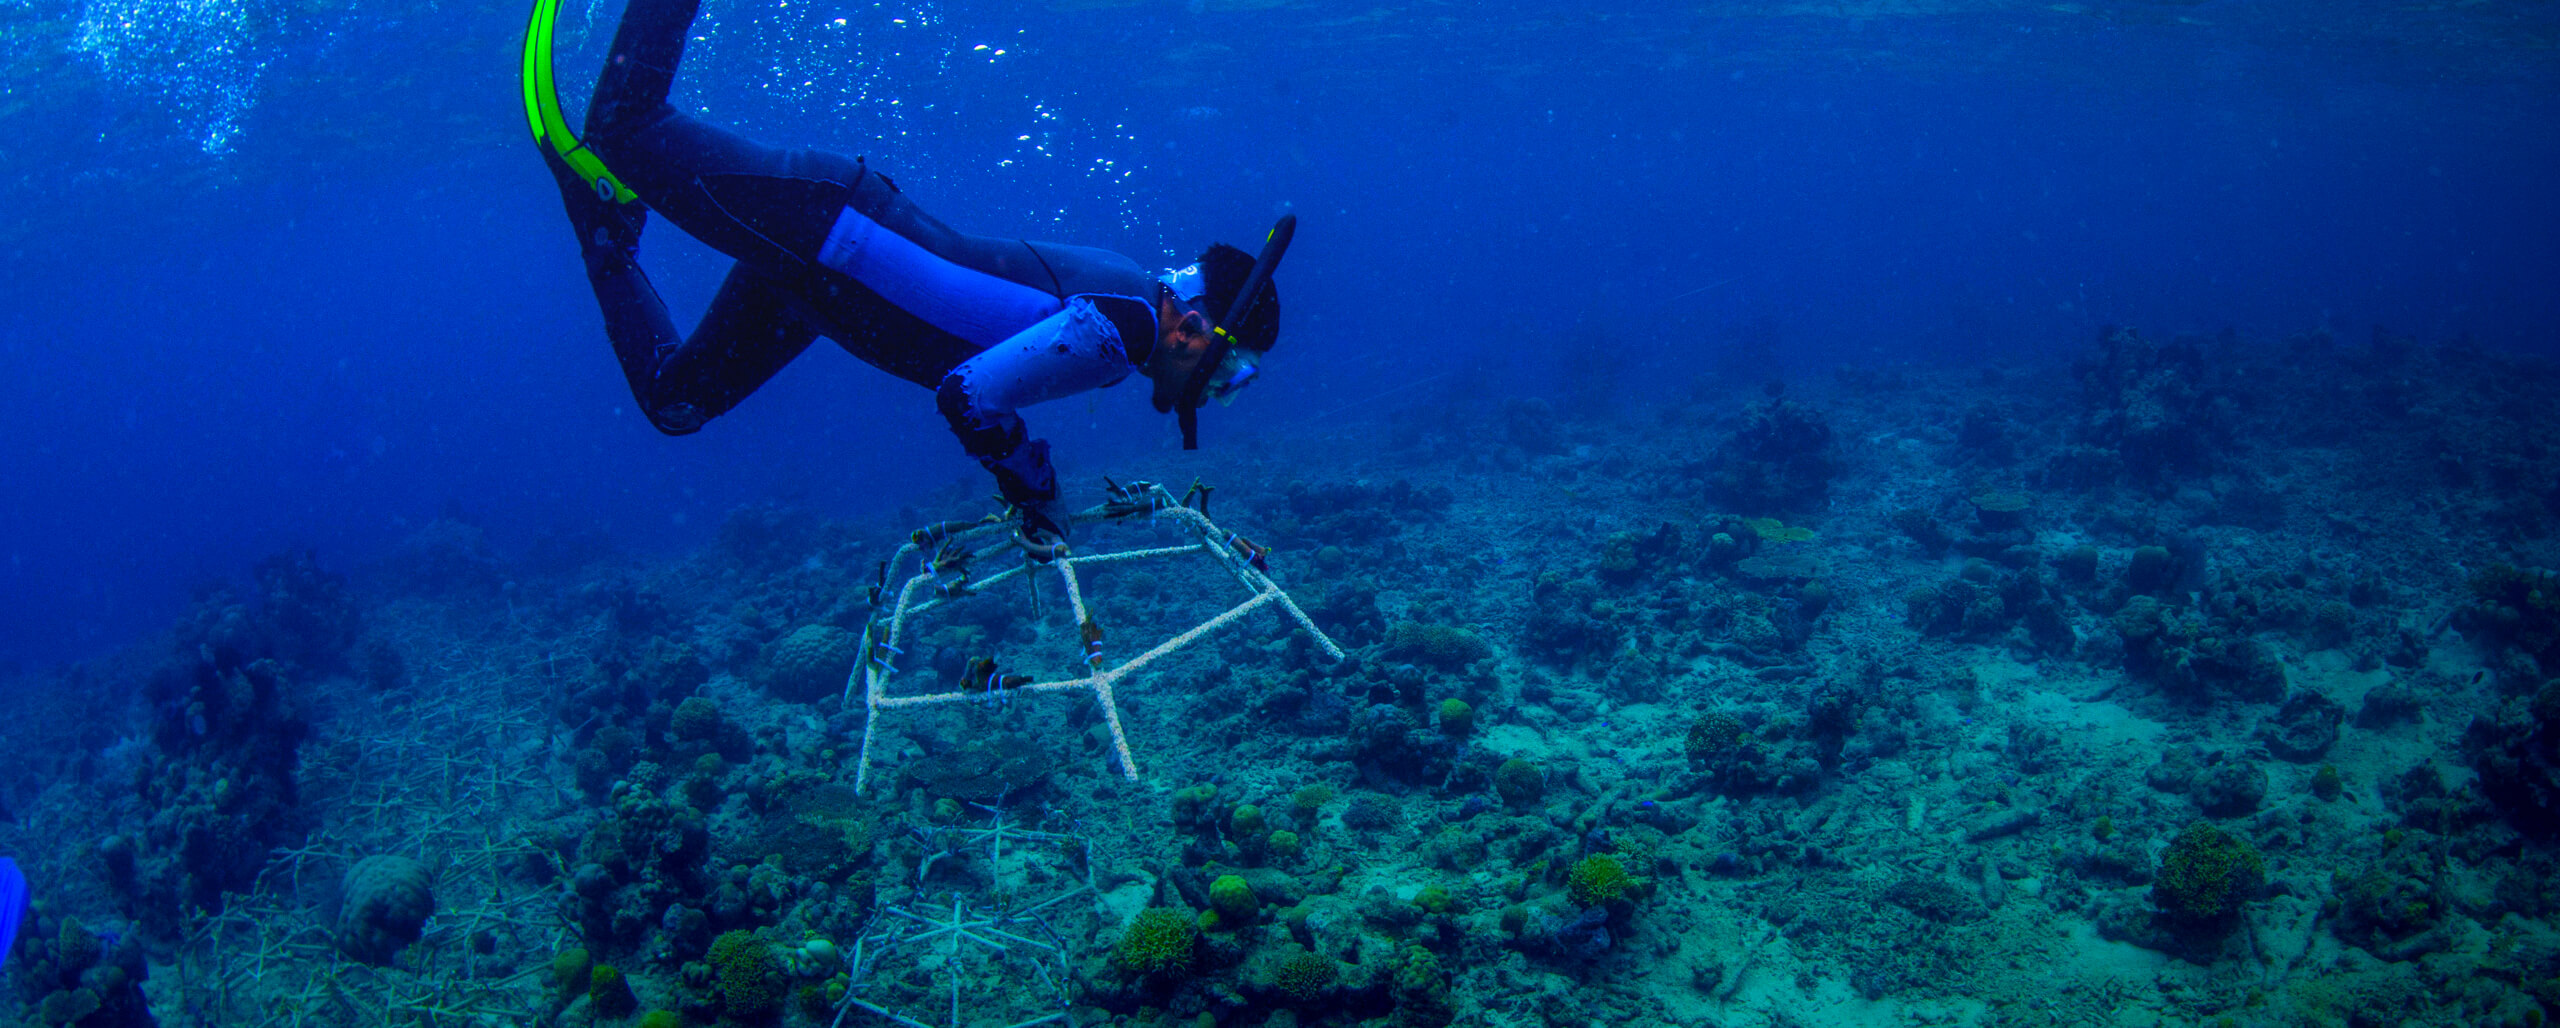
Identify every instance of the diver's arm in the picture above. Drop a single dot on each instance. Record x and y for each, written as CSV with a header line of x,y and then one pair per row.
x,y
1076,349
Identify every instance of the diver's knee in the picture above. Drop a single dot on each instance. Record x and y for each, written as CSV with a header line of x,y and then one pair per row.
x,y
952,399
678,418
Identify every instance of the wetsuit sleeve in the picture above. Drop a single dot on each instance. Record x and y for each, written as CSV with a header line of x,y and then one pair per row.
x,y
1079,348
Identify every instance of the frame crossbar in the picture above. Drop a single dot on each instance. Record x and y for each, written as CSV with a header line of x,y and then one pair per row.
x,y
946,554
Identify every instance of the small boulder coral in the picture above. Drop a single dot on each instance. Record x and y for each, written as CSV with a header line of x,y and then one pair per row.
x,y
1234,899
697,719
1520,783
809,664
385,902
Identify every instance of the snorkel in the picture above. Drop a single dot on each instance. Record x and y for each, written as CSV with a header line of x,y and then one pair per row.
x,y
1225,368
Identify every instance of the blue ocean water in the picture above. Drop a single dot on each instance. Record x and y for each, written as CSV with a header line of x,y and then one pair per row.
x,y
1952,512
288,275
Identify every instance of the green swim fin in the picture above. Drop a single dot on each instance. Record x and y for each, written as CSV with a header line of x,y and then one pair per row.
x,y
542,109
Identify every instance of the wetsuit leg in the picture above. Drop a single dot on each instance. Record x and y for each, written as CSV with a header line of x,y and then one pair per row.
x,y
749,333
768,208
762,205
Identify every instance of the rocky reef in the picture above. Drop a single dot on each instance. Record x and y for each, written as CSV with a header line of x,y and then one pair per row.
x,y
2192,679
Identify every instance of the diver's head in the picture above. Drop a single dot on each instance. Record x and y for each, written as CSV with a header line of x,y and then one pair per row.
x,y
1189,304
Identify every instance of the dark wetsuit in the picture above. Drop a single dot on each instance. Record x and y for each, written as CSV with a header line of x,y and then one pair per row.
x,y
827,246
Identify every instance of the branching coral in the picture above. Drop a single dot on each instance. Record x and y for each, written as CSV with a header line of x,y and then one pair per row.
x,y
2205,875
1158,941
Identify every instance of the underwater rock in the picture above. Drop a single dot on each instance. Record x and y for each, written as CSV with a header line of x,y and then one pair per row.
x,y
384,903
1937,899
1531,424
986,770
2189,652
1442,647
760,538
1358,516
2001,510
1582,937
1923,530
2516,750
648,855
2229,787
1779,459
1390,746
2221,784
446,557
2151,405
218,783
2304,728
1572,621
2389,900
2517,609
1984,602
2175,772
2388,704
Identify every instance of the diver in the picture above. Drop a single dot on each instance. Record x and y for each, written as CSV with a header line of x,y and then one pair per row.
x,y
828,246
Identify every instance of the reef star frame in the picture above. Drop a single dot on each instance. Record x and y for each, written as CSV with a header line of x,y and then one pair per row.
x,y
945,554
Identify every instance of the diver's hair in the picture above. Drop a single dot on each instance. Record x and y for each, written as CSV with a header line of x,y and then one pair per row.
x,y
1225,268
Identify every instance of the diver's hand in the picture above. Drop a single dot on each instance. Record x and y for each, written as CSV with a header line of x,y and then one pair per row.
x,y
1044,530
599,221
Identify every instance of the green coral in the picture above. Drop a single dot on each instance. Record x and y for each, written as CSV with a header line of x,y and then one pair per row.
x,y
607,994
1159,939
1618,561
74,947
1457,719
1245,823
1193,803
1519,782
1713,733
67,1006
1421,990
2205,875
750,984
1597,880
569,970
1310,798
662,1019
1284,845
1234,899
1304,976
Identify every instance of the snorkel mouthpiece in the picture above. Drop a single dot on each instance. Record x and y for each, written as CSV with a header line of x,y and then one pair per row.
x,y
1219,360
1245,370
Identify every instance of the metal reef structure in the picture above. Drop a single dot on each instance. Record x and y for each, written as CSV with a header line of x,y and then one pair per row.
x,y
946,556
